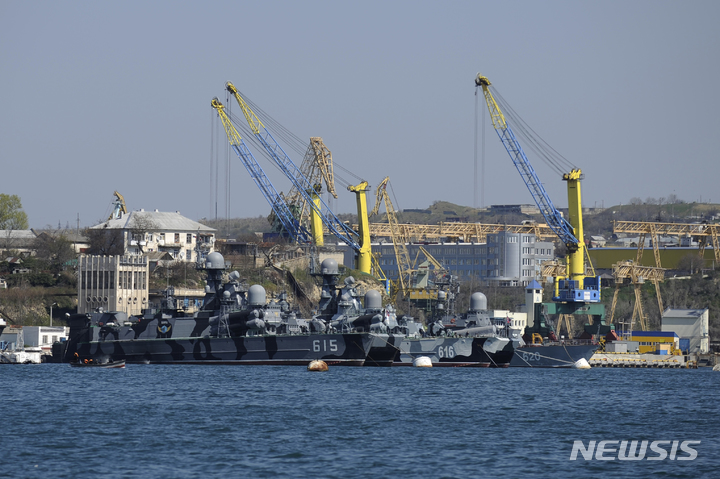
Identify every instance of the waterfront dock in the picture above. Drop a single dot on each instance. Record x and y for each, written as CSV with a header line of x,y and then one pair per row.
x,y
636,360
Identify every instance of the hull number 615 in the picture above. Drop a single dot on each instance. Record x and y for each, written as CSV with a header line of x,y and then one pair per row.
x,y
320,345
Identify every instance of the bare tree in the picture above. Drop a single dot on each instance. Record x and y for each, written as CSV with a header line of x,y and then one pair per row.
x,y
140,226
54,249
105,241
691,262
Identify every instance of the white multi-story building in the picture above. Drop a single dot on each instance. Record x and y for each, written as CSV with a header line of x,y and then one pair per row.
x,y
146,232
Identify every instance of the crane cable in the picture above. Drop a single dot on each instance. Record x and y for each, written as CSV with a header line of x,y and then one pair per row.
x,y
546,153
481,188
289,139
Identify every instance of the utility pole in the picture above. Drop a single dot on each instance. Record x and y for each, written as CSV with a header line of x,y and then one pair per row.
x,y
51,306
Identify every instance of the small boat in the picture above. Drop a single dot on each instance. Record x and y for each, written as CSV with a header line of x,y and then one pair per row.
x,y
92,364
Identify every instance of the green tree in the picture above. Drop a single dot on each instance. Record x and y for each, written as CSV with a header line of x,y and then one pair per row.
x,y
12,216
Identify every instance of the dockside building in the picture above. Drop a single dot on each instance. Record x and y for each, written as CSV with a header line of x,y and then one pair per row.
x,y
506,259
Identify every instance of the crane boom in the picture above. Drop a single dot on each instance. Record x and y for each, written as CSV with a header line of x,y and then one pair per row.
x,y
278,205
316,167
293,173
554,219
120,209
579,288
402,257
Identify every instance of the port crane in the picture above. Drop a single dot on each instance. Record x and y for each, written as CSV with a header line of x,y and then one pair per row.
x,y
637,275
575,293
279,207
577,287
306,189
317,167
119,210
402,257
467,231
705,233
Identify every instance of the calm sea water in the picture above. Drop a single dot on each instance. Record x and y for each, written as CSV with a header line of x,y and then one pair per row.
x,y
268,421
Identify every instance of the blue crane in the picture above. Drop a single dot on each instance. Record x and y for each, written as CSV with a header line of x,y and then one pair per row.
x,y
578,288
334,225
292,226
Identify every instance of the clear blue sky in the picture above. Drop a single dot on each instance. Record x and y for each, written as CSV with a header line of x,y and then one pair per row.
x,y
104,96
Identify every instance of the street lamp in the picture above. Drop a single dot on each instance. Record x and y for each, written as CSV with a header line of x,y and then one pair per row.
x,y
54,304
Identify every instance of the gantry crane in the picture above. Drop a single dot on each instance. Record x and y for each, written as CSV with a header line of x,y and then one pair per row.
x,y
576,291
637,274
119,208
291,225
467,231
334,225
643,228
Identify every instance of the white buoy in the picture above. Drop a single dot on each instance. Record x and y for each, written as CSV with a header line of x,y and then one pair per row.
x,y
422,362
581,364
317,365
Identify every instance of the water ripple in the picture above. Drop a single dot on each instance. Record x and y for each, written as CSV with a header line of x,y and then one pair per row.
x,y
222,421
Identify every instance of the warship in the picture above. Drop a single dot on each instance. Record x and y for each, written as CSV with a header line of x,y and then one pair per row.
x,y
237,325
540,347
474,339
553,353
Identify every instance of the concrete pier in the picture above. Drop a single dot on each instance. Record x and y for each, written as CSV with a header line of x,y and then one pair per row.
x,y
636,360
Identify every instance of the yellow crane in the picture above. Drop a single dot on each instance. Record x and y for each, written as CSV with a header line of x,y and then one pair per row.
x,y
637,275
643,228
439,267
321,220
578,288
402,257
365,257
467,231
317,167
119,208
576,293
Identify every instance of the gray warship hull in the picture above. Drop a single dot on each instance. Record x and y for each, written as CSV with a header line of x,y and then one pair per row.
x,y
556,355
183,341
237,325
456,352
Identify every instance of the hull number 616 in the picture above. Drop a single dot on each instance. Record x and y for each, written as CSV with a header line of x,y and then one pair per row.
x,y
446,352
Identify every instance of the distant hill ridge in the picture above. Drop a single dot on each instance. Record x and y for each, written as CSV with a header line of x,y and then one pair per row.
x,y
596,221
